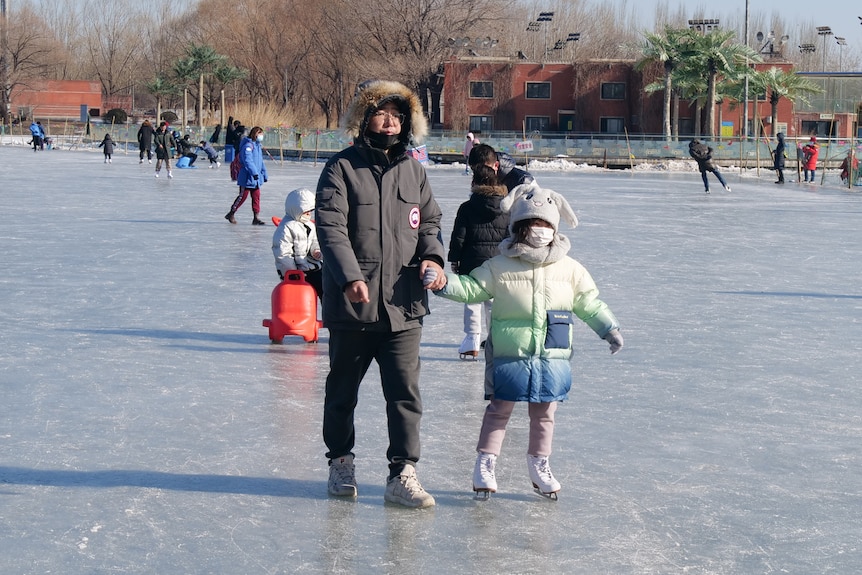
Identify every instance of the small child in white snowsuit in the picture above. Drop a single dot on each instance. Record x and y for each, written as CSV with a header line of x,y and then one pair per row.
x,y
294,243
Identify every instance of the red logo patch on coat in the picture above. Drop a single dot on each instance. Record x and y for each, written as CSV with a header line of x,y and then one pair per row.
x,y
414,217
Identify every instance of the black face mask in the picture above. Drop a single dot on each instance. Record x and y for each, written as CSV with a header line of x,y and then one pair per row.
x,y
381,141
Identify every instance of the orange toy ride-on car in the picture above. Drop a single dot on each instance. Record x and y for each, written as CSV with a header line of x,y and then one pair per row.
x,y
294,309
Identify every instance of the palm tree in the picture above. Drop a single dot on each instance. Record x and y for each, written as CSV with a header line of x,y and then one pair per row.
x,y
667,50
779,84
718,57
200,59
161,88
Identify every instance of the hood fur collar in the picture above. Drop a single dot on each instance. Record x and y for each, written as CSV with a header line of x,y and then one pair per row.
x,y
485,190
370,95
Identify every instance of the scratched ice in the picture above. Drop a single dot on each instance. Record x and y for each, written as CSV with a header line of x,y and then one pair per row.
x,y
148,426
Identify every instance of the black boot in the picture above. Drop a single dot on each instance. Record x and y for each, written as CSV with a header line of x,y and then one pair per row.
x,y
229,217
257,221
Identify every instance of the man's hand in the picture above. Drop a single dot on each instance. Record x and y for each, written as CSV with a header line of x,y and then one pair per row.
x,y
357,292
427,271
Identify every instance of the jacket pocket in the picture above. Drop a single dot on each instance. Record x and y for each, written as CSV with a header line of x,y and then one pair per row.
x,y
559,331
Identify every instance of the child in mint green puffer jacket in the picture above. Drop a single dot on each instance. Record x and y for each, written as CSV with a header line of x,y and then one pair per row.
x,y
538,290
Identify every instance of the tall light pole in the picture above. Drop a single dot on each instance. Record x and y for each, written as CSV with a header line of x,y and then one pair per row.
x,y
806,49
4,66
745,93
824,31
841,41
537,24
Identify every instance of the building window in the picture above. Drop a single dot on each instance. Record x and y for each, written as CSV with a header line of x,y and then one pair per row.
x,y
479,124
537,123
481,89
613,91
538,91
612,125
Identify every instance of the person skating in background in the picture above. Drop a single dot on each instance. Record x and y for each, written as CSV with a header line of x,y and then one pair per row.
x,y
480,225
234,134
164,142
510,176
849,167
294,243
379,230
508,172
538,290
186,149
210,152
702,154
145,141
252,174
810,152
778,157
37,133
468,147
107,145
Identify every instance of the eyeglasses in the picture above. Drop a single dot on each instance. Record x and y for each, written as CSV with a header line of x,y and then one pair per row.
x,y
383,115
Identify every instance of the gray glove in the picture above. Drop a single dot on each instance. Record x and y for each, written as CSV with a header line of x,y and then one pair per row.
x,y
615,338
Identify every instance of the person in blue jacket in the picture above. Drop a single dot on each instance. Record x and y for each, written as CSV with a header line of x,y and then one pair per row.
x,y
252,174
38,135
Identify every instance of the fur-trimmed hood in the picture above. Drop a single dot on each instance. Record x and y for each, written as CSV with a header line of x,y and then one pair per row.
x,y
490,191
372,94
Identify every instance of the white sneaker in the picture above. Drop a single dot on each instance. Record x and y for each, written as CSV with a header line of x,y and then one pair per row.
x,y
150,161
218,165
484,478
157,174
110,161
541,476
141,161
406,490
106,160
727,188
470,346
342,476
170,175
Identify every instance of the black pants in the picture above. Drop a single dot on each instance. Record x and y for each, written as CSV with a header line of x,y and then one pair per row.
x,y
397,355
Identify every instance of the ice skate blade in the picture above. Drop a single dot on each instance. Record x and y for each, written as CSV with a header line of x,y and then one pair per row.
x,y
552,495
482,494
469,355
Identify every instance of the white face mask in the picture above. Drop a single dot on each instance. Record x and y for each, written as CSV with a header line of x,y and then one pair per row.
x,y
260,137
305,217
540,236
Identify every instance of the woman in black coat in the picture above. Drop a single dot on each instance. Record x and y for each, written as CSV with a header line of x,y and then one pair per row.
x,y
778,158
145,141
480,225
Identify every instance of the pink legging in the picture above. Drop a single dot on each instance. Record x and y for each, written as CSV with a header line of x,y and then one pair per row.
x,y
497,416
243,194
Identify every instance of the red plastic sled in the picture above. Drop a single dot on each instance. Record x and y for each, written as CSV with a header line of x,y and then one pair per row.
x,y
294,309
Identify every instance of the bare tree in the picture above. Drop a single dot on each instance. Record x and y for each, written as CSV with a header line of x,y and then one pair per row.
x,y
111,44
31,53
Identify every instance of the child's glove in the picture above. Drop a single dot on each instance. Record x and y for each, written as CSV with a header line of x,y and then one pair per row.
x,y
430,276
615,338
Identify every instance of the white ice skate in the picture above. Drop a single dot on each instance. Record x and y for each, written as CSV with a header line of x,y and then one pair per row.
x,y
484,479
470,347
543,480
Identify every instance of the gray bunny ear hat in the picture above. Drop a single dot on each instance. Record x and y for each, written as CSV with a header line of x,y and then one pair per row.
x,y
529,201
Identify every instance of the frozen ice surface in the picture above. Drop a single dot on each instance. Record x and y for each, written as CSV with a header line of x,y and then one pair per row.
x,y
148,425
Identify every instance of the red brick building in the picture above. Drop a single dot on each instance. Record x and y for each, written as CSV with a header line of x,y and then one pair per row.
x,y
55,99
597,96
